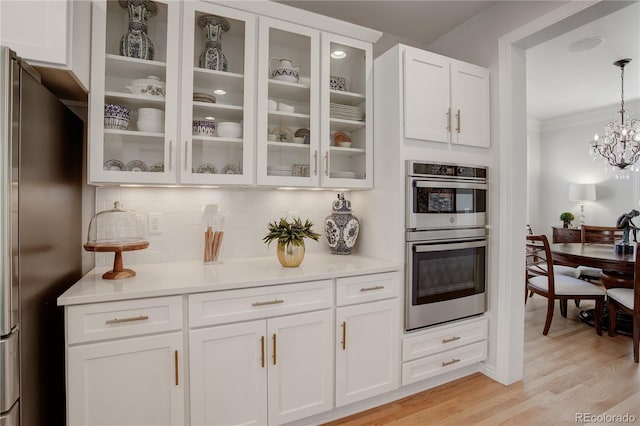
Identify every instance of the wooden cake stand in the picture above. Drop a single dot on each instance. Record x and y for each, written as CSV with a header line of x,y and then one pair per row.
x,y
118,272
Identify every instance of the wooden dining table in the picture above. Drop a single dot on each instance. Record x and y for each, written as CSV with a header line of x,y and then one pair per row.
x,y
602,256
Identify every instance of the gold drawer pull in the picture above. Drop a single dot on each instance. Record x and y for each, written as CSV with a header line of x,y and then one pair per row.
x,y
344,335
271,302
175,358
453,361
120,320
376,287
453,339
262,351
274,349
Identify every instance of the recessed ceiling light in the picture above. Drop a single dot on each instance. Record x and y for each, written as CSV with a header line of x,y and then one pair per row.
x,y
338,54
219,92
586,44
209,118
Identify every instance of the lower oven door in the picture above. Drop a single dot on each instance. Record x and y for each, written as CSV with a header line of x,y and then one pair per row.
x,y
445,281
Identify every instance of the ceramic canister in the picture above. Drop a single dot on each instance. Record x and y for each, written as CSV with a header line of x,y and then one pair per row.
x,y
341,227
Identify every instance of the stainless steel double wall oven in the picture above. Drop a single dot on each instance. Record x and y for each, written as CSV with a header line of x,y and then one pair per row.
x,y
446,243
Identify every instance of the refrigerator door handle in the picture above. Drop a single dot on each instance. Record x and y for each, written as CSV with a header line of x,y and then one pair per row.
x,y
9,371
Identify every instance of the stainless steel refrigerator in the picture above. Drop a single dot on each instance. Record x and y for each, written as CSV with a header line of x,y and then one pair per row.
x,y
40,236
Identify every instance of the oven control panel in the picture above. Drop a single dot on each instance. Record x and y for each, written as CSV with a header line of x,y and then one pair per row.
x,y
451,171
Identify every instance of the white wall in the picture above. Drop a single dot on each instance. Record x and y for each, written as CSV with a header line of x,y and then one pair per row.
x,y
565,159
534,199
249,212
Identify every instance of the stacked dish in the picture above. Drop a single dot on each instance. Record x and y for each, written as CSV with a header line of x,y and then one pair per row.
x,y
345,112
203,97
116,116
342,175
273,170
151,86
203,128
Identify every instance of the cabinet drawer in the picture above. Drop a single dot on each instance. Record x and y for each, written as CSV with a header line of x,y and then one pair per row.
x,y
434,365
366,288
443,338
261,302
98,321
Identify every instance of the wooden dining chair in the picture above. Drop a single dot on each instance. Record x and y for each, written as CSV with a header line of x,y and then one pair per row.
x,y
627,300
591,234
542,280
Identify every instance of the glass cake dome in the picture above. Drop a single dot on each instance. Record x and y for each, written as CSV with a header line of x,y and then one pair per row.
x,y
116,230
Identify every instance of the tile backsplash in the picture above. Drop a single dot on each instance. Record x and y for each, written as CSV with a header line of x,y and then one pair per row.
x,y
249,212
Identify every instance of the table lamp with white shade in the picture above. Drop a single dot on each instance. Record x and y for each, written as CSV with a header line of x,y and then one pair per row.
x,y
582,192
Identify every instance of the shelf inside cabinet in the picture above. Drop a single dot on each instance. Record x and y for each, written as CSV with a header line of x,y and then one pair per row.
x,y
346,98
287,145
133,133
290,91
133,68
218,140
289,119
135,101
346,152
338,124
221,112
213,80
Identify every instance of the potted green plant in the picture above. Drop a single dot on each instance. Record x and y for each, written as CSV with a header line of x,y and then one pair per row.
x,y
566,218
290,236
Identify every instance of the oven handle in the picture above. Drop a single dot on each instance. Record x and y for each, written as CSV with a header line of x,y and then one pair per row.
x,y
422,248
447,185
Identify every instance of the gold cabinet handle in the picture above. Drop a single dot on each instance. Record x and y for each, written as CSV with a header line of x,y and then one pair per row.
x,y
453,339
176,363
121,320
453,361
170,153
274,349
344,335
315,162
449,120
186,152
271,302
326,163
262,351
458,118
375,287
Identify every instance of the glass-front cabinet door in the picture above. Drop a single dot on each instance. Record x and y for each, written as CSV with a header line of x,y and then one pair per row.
x,y
218,86
288,122
134,95
347,111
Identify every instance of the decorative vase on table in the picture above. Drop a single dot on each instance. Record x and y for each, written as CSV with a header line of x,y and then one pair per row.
x,y
136,43
212,57
341,228
290,255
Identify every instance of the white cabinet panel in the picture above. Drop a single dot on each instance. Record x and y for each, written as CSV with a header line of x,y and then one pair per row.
x,y
366,288
367,351
470,104
228,372
127,382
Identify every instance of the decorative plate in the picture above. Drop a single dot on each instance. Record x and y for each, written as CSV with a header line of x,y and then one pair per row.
x,y
157,167
136,166
231,169
207,168
340,137
283,134
305,133
113,165
203,97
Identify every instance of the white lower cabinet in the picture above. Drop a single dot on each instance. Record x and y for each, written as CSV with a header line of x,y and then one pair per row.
x,y
367,359
442,349
270,370
136,381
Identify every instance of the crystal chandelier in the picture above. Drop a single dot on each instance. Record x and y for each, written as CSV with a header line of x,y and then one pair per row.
x,y
620,145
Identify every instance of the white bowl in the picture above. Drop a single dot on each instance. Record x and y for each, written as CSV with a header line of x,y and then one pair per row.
x,y
148,86
272,137
229,129
151,114
286,108
344,144
150,125
298,139
273,105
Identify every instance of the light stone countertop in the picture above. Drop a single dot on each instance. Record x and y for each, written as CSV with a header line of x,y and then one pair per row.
x,y
166,279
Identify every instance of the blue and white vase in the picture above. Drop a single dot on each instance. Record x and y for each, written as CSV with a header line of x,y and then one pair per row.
x,y
341,228
212,57
136,43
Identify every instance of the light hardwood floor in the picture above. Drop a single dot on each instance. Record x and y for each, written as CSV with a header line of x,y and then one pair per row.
x,y
571,370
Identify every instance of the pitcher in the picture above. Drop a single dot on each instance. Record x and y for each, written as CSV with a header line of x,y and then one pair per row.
x,y
285,70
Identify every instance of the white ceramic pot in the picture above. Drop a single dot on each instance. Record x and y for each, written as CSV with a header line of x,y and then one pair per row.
x,y
286,108
150,126
229,129
150,120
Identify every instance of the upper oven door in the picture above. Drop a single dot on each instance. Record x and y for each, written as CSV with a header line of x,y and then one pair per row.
x,y
437,204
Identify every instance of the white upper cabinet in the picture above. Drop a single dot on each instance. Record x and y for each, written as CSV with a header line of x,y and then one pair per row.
x,y
49,34
445,100
288,105
213,93
136,151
